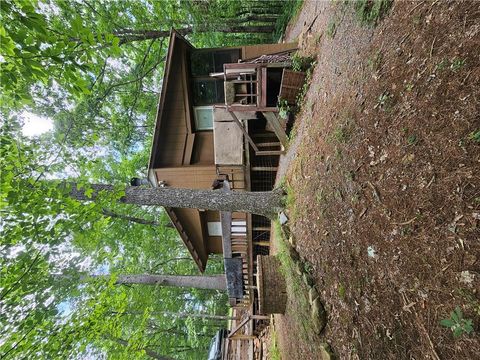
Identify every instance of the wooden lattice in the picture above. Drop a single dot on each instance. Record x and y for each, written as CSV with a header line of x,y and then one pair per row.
x,y
292,82
272,290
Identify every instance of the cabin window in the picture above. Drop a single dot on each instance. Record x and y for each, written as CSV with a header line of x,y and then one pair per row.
x,y
202,62
214,228
203,117
208,91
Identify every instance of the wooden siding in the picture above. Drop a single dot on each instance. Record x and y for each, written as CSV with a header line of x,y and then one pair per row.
x,y
228,137
184,158
214,243
253,51
174,126
188,177
242,347
203,148
236,176
192,225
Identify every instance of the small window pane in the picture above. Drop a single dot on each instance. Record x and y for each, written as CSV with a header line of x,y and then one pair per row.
x,y
225,57
201,63
204,118
214,228
208,92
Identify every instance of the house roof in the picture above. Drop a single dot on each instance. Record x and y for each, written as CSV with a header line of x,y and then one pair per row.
x,y
174,46
175,39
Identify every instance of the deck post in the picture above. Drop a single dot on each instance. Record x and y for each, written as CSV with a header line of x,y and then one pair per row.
x,y
277,128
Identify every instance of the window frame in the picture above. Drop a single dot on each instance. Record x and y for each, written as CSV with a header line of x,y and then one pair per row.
x,y
202,107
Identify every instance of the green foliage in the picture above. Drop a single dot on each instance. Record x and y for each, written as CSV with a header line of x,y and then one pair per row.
x,y
283,108
475,136
302,63
412,139
457,64
37,49
342,133
274,350
370,12
384,101
290,10
75,63
295,285
457,323
331,29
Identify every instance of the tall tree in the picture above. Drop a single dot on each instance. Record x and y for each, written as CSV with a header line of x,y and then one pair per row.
x,y
148,351
135,219
213,282
262,203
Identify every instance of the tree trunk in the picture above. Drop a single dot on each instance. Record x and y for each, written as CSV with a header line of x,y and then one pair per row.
x,y
215,282
180,315
261,203
148,351
135,219
129,35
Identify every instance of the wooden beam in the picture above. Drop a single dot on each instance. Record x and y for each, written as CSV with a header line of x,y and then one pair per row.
x,y
277,128
263,83
187,154
261,228
245,133
185,238
243,337
264,168
268,152
226,221
268,144
239,326
262,243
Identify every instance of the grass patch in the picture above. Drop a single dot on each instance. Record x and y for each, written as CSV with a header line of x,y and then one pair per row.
x,y
375,61
290,10
331,29
340,134
384,101
341,291
343,131
274,350
457,64
475,136
370,12
302,63
295,287
412,139
320,197
290,198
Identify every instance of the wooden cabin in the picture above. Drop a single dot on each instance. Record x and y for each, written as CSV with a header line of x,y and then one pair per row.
x,y
217,125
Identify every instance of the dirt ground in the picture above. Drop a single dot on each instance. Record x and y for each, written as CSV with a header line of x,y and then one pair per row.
x,y
385,174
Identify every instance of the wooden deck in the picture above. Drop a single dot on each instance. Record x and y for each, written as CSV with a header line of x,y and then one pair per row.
x,y
240,345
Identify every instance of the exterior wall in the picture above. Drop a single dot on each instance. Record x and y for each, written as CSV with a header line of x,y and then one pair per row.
x,y
184,158
253,51
193,227
174,123
202,153
193,221
188,177
214,243
236,176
